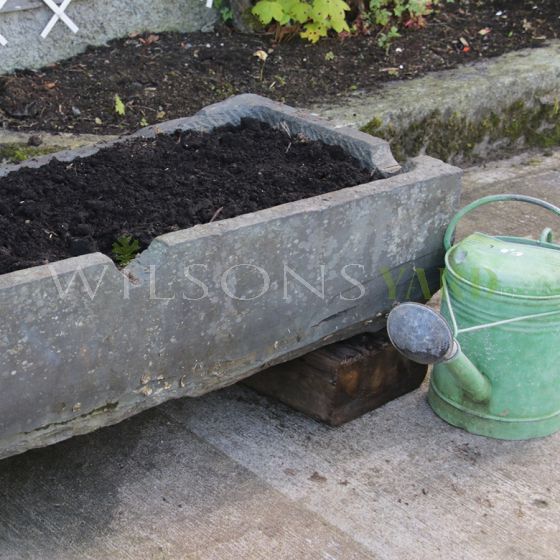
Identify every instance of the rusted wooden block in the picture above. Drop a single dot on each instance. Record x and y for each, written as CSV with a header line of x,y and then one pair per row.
x,y
342,381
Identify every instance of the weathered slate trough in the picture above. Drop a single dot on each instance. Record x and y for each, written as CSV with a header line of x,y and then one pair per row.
x,y
84,345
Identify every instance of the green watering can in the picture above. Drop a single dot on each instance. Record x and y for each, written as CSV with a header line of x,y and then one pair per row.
x,y
496,345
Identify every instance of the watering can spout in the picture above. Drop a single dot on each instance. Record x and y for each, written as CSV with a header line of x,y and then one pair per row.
x,y
467,375
423,335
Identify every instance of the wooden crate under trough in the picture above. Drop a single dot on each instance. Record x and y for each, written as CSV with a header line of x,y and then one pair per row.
x,y
342,381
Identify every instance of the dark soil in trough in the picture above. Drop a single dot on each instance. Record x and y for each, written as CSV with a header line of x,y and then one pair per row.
x,y
147,187
173,75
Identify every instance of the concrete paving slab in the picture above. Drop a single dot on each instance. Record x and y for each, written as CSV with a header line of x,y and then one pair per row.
x,y
233,475
150,489
402,482
534,174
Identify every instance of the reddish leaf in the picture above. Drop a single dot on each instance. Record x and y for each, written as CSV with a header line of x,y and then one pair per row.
x,y
149,40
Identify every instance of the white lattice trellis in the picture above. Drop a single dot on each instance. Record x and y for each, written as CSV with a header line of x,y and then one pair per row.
x,y
59,14
59,9
3,40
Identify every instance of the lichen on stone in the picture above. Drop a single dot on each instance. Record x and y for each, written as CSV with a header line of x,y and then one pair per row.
x,y
455,137
16,153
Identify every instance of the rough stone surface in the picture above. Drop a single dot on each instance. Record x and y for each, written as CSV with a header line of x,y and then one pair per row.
x,y
17,145
61,140
231,475
83,345
98,22
472,113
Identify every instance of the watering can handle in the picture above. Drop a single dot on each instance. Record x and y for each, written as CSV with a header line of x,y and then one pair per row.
x,y
450,232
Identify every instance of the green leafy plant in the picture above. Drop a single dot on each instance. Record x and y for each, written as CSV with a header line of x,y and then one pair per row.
x,y
225,11
315,18
385,37
125,249
391,14
120,108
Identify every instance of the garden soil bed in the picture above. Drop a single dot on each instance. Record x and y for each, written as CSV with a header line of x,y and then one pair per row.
x,y
148,187
160,77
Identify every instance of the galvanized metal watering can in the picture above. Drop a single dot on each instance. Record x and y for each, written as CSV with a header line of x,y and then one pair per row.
x,y
496,345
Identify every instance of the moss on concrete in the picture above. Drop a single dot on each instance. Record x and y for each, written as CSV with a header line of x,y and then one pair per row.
x,y
455,137
16,153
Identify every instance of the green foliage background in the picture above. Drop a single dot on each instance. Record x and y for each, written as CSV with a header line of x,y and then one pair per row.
x,y
315,18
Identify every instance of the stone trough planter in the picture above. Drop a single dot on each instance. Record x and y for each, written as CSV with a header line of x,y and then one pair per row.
x,y
84,345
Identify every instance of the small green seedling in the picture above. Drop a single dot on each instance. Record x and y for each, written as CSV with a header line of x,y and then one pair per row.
x,y
120,108
125,249
384,39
